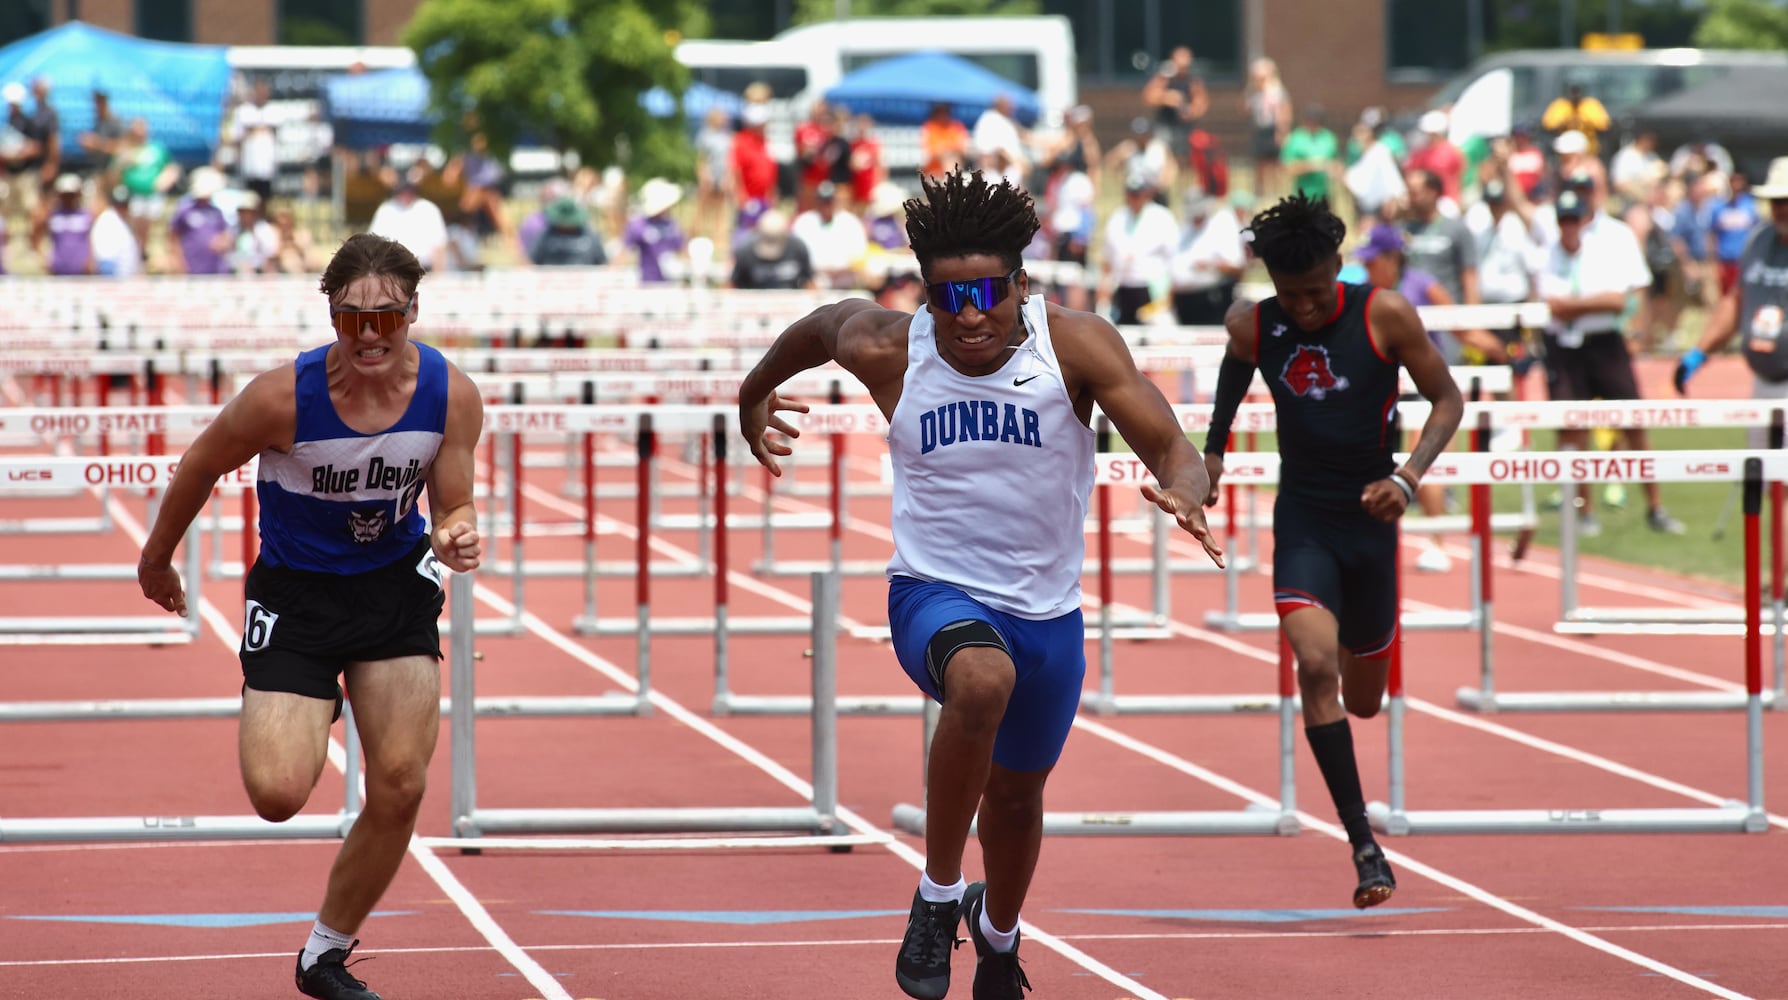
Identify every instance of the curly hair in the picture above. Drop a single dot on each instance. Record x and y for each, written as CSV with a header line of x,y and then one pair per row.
x,y
960,214
1297,234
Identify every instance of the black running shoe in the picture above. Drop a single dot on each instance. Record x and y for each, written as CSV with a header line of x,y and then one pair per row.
x,y
999,975
329,978
1376,881
923,968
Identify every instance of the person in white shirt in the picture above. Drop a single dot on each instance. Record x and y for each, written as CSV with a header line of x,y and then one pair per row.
x,y
256,240
1587,291
116,252
257,145
996,132
836,240
414,221
1207,263
1140,239
1637,167
986,389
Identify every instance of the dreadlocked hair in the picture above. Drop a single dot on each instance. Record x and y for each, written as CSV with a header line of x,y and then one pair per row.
x,y
961,214
1297,234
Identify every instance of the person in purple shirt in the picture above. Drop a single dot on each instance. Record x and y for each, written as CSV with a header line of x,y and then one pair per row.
x,y
69,226
653,234
882,220
199,232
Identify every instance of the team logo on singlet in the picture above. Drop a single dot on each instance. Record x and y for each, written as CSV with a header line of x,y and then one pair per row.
x,y
1307,372
367,525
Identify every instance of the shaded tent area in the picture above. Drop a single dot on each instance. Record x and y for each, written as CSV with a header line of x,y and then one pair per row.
x,y
178,89
379,108
1745,109
901,90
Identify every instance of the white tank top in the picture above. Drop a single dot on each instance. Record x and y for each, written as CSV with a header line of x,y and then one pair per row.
x,y
991,475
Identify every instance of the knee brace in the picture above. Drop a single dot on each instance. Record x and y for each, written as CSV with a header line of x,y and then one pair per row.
x,y
953,638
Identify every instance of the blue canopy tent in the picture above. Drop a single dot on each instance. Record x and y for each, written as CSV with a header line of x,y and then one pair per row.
x,y
178,89
378,108
902,89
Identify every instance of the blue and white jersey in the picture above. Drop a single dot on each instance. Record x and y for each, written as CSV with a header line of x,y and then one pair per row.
x,y
341,501
991,475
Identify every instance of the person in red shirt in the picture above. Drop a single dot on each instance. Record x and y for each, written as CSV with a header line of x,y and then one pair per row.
x,y
1438,155
867,168
754,170
1527,161
812,137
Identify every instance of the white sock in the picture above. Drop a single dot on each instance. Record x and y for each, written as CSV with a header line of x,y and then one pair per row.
x,y
999,940
322,939
931,892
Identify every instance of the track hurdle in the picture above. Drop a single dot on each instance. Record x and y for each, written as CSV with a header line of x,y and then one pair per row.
x,y
1249,820
1575,619
1728,620
61,474
1734,817
472,825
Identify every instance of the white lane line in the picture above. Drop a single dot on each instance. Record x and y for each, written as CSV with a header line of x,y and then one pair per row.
x,y
468,904
1354,933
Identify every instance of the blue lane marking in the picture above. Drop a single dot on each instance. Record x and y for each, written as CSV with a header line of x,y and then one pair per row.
x,y
727,916
190,919
1260,916
1761,912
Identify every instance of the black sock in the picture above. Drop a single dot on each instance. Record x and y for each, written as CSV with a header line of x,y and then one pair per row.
x,y
1332,743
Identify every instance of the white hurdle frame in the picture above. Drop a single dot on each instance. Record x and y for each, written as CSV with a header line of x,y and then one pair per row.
x,y
1396,819
819,820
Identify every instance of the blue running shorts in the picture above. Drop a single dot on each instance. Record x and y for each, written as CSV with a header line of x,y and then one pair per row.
x,y
1050,657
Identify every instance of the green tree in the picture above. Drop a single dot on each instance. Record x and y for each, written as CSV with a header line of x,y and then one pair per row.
x,y
1744,24
567,74
807,11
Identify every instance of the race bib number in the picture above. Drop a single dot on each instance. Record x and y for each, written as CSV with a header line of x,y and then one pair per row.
x,y
257,627
1766,329
430,569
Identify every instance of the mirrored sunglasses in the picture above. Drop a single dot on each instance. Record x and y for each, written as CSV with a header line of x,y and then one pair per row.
x,y
983,293
349,322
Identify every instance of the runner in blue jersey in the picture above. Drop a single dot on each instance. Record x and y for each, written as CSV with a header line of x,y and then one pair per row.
x,y
1330,354
348,582
989,393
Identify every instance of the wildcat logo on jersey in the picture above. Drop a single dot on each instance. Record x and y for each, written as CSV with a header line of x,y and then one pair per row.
x,y
1307,372
367,525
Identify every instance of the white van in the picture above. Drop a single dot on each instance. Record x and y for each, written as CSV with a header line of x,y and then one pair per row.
x,y
802,63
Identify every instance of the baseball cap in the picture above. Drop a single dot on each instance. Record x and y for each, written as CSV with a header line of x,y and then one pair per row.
x,y
1384,238
1495,191
13,93
68,184
1570,205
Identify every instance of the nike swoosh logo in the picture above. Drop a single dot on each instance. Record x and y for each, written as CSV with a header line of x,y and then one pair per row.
x,y
1021,381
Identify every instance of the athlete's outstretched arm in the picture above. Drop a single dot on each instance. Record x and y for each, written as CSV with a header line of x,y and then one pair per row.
x,y
1100,360
453,475
1234,376
852,332
1398,331
263,415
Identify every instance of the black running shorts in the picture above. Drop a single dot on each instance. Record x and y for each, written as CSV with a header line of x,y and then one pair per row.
x,y
1343,560
301,628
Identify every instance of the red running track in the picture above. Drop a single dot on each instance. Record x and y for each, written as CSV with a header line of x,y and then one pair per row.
x,y
1580,916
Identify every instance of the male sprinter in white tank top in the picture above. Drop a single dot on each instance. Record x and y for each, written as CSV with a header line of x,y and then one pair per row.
x,y
348,581
989,395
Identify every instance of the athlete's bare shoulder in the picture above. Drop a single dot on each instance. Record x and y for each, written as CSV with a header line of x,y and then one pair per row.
x,y
869,335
